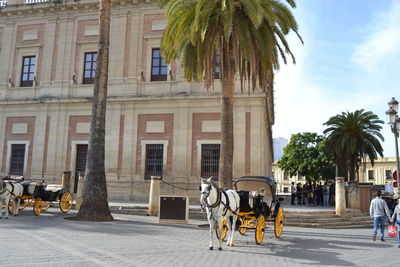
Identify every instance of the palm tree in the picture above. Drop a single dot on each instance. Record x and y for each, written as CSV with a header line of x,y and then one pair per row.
x,y
249,36
94,205
353,136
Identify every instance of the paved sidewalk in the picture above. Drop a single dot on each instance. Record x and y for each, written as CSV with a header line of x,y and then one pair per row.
x,y
132,240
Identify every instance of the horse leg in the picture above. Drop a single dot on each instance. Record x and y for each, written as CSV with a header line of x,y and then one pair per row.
x,y
219,236
1,208
17,204
228,234
212,231
6,207
233,227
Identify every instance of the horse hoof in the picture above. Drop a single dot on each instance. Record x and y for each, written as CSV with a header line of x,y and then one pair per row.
x,y
219,248
211,248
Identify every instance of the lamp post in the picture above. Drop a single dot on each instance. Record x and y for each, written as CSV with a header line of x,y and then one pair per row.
x,y
394,122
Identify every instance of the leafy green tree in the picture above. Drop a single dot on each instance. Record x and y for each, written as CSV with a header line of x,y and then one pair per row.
x,y
305,155
249,36
352,137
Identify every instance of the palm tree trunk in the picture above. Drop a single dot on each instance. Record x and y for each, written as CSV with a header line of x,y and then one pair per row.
x,y
95,206
228,89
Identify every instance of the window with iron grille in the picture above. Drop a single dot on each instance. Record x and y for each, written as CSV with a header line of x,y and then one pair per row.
x,y
154,160
158,67
388,174
210,160
217,70
371,175
28,71
17,159
89,68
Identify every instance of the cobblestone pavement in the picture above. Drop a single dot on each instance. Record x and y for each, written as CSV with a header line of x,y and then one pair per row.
x,y
49,240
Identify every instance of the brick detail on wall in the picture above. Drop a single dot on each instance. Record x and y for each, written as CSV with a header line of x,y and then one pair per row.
x,y
73,135
168,120
197,134
29,136
247,157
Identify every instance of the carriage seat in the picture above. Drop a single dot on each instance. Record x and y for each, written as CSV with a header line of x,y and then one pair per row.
x,y
244,203
53,187
29,187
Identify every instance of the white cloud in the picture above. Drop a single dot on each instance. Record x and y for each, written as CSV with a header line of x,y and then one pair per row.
x,y
383,42
307,94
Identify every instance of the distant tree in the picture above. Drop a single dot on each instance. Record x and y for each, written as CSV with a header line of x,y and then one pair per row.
x,y
305,155
351,138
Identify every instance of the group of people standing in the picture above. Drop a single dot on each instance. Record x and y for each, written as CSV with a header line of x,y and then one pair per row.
x,y
313,194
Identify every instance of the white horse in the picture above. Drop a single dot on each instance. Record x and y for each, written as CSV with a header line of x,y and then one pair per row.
x,y
218,204
10,191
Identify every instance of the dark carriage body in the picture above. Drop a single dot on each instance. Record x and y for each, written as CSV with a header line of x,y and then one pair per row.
x,y
258,194
258,204
40,195
48,192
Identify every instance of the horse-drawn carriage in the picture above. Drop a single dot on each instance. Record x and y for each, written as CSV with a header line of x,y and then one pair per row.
x,y
40,196
255,204
258,205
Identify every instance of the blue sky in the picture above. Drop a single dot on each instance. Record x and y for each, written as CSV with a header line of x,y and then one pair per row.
x,y
350,60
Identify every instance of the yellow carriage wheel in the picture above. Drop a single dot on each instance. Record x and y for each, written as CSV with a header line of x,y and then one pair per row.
x,y
46,205
224,229
278,226
27,202
260,229
242,228
66,202
37,208
11,207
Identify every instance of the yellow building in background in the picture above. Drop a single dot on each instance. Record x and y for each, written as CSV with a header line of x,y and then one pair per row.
x,y
379,174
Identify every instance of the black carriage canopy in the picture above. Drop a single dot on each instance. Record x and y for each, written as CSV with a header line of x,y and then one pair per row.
x,y
258,184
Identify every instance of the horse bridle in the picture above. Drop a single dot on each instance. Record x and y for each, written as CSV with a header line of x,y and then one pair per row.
x,y
207,194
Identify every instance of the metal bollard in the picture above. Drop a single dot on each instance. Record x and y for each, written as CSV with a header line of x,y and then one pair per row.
x,y
66,180
154,196
79,193
340,198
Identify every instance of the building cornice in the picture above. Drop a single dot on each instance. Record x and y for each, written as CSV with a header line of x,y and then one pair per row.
x,y
17,8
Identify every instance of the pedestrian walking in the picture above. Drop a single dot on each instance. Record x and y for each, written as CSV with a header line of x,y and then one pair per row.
x,y
378,210
293,191
396,218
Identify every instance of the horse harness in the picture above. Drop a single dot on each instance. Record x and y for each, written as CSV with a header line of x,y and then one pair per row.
x,y
11,192
218,202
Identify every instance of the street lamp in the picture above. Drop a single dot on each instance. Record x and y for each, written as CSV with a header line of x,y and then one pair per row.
x,y
394,122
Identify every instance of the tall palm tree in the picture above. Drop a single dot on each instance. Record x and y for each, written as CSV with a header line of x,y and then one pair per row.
x,y
249,36
94,205
353,136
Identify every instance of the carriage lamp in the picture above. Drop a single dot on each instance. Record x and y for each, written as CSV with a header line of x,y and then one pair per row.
x,y
394,122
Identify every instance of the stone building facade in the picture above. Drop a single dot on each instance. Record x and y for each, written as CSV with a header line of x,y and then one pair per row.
x,y
157,123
